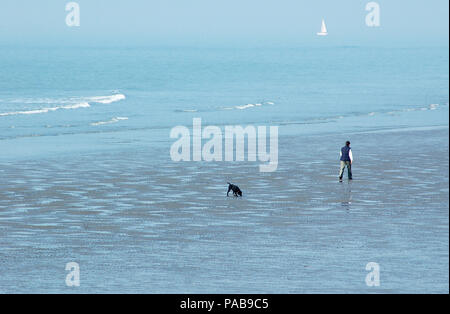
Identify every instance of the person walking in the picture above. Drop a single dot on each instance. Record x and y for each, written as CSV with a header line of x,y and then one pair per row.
x,y
346,161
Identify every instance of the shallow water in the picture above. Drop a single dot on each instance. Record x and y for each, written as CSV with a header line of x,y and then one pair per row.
x,y
171,228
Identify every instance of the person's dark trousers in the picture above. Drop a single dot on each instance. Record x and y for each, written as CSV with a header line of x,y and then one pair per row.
x,y
347,164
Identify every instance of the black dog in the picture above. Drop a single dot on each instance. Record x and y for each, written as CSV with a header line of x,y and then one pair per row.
x,y
236,190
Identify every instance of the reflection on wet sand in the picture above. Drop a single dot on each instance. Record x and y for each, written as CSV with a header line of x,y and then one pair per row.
x,y
141,223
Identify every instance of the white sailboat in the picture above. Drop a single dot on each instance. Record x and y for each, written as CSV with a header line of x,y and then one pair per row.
x,y
323,29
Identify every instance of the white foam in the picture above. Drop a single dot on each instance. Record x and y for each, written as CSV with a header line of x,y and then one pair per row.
x,y
76,106
107,99
68,103
45,110
113,120
430,107
434,106
245,106
242,107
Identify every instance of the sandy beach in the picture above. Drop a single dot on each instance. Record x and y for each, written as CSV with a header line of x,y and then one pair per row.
x,y
170,227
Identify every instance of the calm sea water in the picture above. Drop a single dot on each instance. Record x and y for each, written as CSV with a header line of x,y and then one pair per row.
x,y
86,176
79,96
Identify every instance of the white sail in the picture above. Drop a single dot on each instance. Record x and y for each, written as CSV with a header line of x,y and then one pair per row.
x,y
323,29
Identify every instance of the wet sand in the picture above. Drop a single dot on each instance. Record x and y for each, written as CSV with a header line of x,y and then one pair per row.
x,y
136,222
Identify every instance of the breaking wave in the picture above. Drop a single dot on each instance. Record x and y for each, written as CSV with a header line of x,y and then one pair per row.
x,y
45,110
69,103
247,106
113,120
107,99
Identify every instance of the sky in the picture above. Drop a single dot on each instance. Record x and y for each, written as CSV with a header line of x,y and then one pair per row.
x,y
220,22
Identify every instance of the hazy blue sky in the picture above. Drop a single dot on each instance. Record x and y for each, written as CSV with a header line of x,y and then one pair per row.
x,y
153,22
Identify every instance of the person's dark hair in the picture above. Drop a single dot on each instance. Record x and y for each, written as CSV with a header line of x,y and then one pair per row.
x,y
347,143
